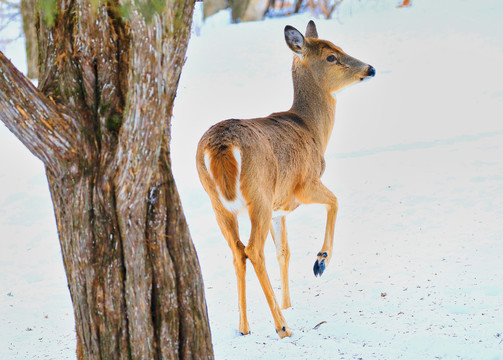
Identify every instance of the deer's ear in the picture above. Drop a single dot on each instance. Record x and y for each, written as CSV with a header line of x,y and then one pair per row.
x,y
294,39
311,30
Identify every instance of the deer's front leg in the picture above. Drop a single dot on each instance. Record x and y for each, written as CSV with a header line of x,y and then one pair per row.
x,y
317,193
326,251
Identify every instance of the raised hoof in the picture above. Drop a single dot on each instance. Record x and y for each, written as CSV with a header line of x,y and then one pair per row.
x,y
284,332
319,264
247,333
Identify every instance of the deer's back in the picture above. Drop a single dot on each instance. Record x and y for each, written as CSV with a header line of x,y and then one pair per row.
x,y
276,153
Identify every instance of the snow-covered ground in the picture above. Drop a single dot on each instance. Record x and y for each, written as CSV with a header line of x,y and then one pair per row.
x,y
416,160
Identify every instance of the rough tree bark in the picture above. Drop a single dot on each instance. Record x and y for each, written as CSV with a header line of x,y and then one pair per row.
x,y
100,122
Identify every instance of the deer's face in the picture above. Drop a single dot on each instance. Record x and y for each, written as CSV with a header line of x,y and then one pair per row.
x,y
331,68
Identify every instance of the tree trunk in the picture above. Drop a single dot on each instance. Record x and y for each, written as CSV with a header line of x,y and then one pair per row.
x,y
298,5
28,11
100,122
255,10
211,7
238,8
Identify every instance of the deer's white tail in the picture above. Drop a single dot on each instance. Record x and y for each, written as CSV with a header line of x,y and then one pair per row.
x,y
224,167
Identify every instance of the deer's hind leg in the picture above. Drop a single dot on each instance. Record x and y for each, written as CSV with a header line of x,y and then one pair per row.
x,y
228,223
279,236
260,217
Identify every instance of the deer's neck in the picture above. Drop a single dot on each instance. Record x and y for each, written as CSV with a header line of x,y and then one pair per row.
x,y
314,104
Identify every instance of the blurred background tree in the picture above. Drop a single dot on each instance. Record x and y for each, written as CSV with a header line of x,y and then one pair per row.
x,y
28,11
12,11
253,10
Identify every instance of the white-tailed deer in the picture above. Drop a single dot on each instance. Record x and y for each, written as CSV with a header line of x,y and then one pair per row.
x,y
269,166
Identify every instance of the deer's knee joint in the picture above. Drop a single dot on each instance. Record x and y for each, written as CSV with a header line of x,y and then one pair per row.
x,y
283,254
239,261
238,252
255,255
333,204
286,255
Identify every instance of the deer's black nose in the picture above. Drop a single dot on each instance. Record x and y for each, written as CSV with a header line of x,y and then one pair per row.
x,y
371,71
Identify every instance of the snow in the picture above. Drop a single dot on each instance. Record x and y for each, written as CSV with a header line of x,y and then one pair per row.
x,y
415,158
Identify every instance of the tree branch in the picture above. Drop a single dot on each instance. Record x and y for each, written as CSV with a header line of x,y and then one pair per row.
x,y
41,125
10,4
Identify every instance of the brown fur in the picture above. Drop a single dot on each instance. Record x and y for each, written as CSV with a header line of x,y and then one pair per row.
x,y
282,161
224,169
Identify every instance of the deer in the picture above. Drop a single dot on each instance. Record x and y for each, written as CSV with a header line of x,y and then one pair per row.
x,y
267,167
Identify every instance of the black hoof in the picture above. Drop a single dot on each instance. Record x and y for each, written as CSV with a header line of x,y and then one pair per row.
x,y
319,265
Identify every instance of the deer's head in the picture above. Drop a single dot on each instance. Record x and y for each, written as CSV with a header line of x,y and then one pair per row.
x,y
331,68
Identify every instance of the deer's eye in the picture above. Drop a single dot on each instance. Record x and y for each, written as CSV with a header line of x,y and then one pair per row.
x,y
331,58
